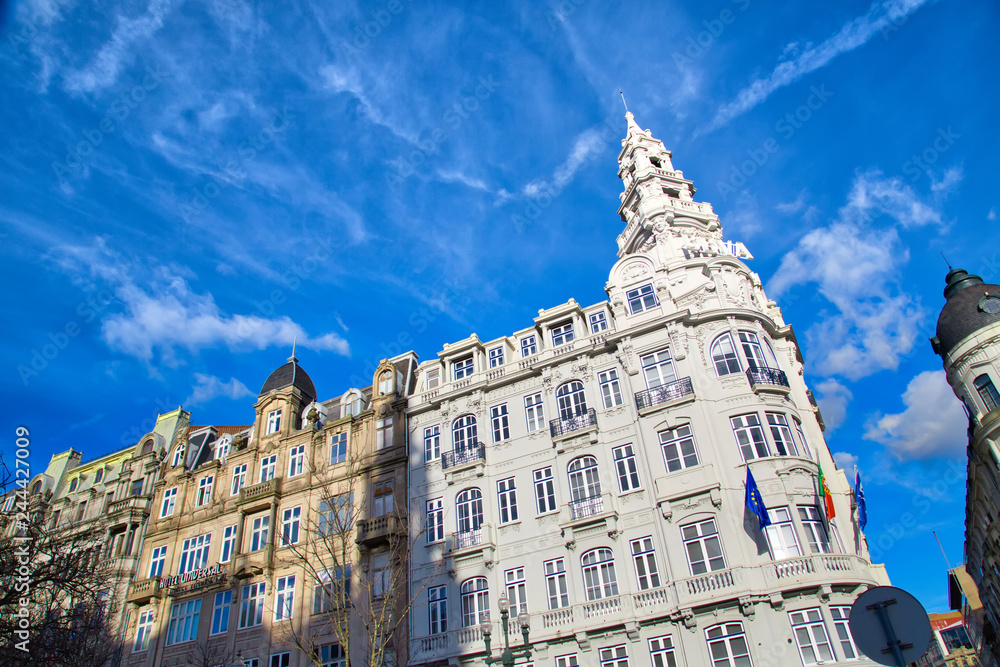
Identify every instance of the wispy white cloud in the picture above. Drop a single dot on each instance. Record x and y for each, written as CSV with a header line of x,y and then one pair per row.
x,y
874,194
348,80
587,144
833,401
880,16
932,425
209,387
845,461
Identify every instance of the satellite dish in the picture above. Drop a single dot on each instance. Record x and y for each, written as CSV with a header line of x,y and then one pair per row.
x,y
890,626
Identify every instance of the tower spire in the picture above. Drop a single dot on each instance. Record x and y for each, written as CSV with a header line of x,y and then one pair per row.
x,y
620,92
292,358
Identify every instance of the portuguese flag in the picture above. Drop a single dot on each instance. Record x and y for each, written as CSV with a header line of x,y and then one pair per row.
x,y
824,494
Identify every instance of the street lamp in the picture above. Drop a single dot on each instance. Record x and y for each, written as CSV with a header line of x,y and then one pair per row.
x,y
508,656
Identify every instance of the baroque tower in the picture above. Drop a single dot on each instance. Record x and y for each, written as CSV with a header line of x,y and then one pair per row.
x,y
589,468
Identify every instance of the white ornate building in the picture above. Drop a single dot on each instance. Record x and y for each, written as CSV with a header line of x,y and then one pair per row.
x,y
591,467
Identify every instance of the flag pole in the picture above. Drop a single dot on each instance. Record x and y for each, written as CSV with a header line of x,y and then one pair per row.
x,y
947,562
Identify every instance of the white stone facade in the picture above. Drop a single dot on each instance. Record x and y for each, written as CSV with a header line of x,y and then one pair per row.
x,y
619,447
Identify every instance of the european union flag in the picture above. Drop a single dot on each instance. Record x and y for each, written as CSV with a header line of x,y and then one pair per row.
x,y
859,498
754,502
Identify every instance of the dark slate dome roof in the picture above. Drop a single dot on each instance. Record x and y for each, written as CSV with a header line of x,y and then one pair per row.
x,y
290,375
961,315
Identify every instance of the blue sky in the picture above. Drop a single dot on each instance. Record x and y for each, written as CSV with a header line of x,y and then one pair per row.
x,y
187,186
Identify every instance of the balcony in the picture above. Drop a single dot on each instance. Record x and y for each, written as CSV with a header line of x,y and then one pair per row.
x,y
260,495
581,509
673,393
768,380
134,509
469,539
471,545
141,592
472,453
380,530
596,511
580,422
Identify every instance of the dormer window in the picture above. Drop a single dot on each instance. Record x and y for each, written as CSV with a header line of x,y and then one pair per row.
x,y
463,367
641,298
496,357
385,384
37,488
528,346
73,484
147,447
222,448
99,476
178,455
352,404
433,378
273,422
598,322
562,334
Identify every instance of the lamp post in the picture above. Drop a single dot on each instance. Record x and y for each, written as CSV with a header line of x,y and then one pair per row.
x,y
508,656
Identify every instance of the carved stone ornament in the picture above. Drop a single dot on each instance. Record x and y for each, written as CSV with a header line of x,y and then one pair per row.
x,y
634,271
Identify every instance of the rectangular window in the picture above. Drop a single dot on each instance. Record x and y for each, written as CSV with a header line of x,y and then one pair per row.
x,y
290,526
463,368
496,357
284,598
258,533
704,550
533,412
228,544
220,612
781,433
781,537
678,448
812,522
157,561
598,322
383,433
727,644
143,630
661,651
341,519
137,487
194,554
507,499
517,591
204,495
614,656
528,346
810,635
750,437
802,439
545,491
437,604
658,369
169,499
281,660
338,448
432,443
383,499
562,334
644,557
332,585
555,583
641,298
435,520
268,465
611,391
239,479
81,510
332,655
296,460
567,660
273,422
183,626
433,378
500,423
381,581
843,630
628,473
252,607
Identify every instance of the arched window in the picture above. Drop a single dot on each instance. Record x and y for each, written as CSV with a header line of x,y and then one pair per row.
x,y
352,403
222,447
599,574
584,482
385,383
475,601
724,355
178,455
37,488
469,504
987,392
73,484
147,447
571,400
758,356
463,433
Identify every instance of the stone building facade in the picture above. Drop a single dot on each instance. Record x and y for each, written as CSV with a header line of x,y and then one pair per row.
x,y
591,467
968,341
271,542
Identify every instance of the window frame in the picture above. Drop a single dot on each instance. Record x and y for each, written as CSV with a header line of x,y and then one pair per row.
x,y
817,536
432,439
204,494
143,630
676,440
725,360
529,346
778,531
284,598
658,368
157,561
182,626
432,379
987,391
841,615
194,553
781,431
641,299
726,638
290,523
662,651
437,610
239,479
702,538
507,500
273,424
556,585
545,491
610,388
296,460
516,588
598,322
469,510
500,423
599,578
534,412
811,620
260,529
252,605
647,573
228,548
613,656
268,468
748,429
626,469
496,356
463,368
169,502
220,613
562,334
434,519
475,601
338,448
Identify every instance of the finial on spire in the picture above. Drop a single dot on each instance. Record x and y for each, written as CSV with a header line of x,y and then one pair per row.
x,y
945,260
623,99
292,358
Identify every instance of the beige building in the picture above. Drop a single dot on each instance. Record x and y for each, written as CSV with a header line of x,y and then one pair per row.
x,y
590,467
279,541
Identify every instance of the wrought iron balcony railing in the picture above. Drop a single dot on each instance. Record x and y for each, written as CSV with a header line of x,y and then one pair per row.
x,y
585,507
580,421
767,376
664,393
472,452
468,538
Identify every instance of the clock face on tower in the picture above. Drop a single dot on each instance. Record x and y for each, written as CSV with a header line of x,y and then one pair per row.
x,y
990,304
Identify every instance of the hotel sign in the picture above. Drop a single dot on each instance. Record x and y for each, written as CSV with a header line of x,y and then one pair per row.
x,y
198,579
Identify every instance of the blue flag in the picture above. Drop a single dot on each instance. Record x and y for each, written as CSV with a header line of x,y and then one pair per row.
x,y
754,502
859,497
